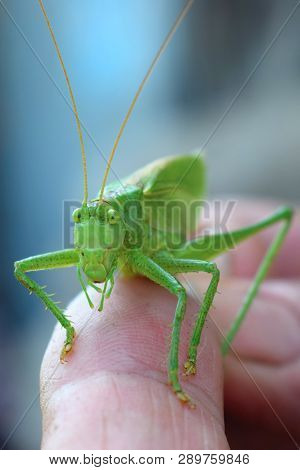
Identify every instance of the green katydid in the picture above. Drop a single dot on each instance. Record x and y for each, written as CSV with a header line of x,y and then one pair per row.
x,y
106,240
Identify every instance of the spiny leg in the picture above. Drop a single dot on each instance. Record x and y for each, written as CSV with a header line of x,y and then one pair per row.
x,y
149,268
58,259
210,246
183,266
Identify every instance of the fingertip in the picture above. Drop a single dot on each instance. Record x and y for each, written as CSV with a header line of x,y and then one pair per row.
x,y
116,377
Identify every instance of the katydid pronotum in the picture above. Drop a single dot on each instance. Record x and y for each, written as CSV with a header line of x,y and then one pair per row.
x,y
109,236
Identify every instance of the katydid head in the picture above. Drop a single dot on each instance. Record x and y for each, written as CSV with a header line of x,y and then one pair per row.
x,y
98,236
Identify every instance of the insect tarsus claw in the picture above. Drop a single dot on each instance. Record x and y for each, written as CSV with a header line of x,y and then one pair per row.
x,y
190,368
66,349
185,399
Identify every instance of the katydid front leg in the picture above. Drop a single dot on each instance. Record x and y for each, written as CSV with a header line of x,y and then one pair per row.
x,y
149,268
57,259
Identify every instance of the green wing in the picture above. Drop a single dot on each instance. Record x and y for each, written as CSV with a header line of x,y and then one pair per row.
x,y
172,188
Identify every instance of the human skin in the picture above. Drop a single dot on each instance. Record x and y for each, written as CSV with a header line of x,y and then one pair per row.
x,y
113,393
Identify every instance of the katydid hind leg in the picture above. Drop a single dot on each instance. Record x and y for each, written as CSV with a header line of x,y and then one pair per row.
x,y
175,265
260,275
59,259
152,270
210,246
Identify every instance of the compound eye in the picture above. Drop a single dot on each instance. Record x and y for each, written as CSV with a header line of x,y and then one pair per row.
x,y
112,216
76,215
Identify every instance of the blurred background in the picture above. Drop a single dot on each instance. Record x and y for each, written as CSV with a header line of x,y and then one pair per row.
x,y
107,46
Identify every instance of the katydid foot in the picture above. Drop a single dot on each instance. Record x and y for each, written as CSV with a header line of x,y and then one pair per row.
x,y
68,344
185,399
177,389
189,367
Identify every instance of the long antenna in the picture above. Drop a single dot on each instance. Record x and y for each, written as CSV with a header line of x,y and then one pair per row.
x,y
83,156
159,53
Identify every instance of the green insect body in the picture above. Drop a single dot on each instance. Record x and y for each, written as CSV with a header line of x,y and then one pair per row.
x,y
102,245
126,228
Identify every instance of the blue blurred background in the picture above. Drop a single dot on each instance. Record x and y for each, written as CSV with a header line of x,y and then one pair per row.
x,y
107,46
